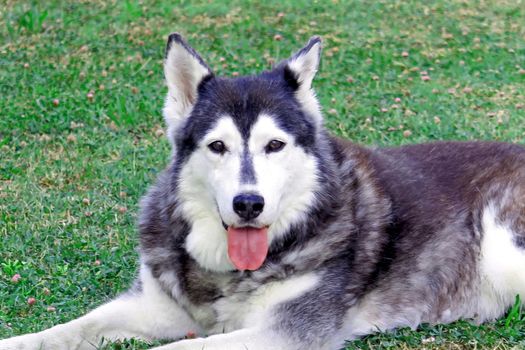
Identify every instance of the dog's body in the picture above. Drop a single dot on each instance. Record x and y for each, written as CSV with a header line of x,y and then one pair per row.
x,y
265,232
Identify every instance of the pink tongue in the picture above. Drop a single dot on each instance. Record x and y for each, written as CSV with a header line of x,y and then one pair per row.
x,y
247,247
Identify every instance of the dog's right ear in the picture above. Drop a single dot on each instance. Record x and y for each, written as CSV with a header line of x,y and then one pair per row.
x,y
184,70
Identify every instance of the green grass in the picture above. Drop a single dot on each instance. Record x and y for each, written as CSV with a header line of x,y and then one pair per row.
x,y
72,172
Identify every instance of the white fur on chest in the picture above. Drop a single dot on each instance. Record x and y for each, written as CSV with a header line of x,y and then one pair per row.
x,y
502,268
237,311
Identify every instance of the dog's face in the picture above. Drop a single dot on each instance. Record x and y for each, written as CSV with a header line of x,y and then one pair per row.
x,y
245,152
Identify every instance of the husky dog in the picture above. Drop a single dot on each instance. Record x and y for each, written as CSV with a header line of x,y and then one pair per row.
x,y
266,232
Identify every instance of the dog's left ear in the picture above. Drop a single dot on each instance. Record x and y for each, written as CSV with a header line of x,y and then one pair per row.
x,y
184,70
305,62
299,72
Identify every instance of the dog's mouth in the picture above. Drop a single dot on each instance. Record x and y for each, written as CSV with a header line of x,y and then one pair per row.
x,y
247,246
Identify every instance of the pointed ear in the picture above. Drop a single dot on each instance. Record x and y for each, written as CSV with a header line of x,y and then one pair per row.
x,y
305,62
300,71
184,70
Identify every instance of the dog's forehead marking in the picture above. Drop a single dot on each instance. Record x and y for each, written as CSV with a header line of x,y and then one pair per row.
x,y
247,171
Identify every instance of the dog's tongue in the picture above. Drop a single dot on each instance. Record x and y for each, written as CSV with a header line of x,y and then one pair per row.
x,y
247,247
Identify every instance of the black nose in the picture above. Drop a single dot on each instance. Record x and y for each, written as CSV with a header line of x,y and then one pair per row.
x,y
248,205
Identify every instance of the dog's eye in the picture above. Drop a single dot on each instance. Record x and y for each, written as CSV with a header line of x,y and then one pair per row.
x,y
274,146
217,147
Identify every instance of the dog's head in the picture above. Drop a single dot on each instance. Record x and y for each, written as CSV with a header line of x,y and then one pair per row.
x,y
245,153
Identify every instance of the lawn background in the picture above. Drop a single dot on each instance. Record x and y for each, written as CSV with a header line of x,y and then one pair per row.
x,y
81,131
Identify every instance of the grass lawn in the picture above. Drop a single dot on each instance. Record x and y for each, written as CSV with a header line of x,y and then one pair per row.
x,y
81,137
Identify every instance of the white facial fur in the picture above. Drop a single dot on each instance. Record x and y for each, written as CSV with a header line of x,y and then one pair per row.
x,y
208,183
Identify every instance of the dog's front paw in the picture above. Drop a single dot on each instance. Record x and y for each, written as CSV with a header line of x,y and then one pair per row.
x,y
212,344
202,344
252,339
51,339
190,344
24,342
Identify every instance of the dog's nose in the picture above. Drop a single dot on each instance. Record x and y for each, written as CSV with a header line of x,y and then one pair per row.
x,y
248,205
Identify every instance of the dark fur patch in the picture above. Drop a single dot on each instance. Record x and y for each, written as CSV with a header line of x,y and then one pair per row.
x,y
247,170
520,241
290,78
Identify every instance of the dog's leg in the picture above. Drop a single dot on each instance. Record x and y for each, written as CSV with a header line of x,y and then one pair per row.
x,y
146,314
244,339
